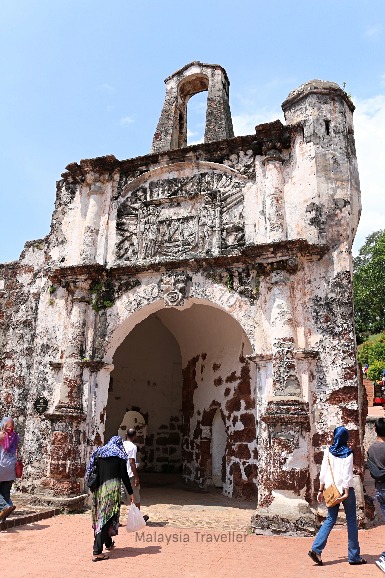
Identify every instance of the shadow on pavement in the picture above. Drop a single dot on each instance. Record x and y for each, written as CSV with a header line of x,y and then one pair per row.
x,y
32,526
133,552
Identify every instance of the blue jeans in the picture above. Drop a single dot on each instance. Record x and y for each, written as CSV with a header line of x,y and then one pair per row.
x,y
323,534
380,496
5,495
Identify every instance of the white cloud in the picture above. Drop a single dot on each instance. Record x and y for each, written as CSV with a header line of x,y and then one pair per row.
x,y
107,88
197,134
373,31
245,123
369,129
126,120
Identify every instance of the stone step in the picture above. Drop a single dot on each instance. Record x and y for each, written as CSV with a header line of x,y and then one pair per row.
x,y
27,517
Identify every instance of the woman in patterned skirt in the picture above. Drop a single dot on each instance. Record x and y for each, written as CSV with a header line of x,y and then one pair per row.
x,y
112,470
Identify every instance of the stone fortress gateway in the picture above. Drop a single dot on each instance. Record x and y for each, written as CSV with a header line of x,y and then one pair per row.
x,y
203,293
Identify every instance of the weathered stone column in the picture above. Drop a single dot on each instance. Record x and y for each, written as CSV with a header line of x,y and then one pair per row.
x,y
71,389
283,340
67,462
274,197
283,472
93,218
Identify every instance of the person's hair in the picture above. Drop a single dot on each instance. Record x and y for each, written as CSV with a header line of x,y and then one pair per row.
x,y
379,426
131,433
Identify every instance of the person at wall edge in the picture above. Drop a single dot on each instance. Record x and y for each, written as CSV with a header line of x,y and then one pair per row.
x,y
340,457
9,441
376,455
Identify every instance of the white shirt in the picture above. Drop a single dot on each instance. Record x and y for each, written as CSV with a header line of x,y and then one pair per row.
x,y
342,470
130,450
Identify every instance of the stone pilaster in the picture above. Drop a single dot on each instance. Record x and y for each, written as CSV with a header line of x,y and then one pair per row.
x,y
94,194
71,389
274,197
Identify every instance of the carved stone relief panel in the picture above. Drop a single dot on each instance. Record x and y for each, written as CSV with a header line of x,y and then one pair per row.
x,y
199,215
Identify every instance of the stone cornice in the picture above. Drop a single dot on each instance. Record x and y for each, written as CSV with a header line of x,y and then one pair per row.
x,y
264,258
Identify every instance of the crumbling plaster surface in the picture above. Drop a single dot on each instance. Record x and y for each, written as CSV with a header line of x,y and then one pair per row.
x,y
257,230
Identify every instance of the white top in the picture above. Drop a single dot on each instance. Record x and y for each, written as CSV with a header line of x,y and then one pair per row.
x,y
130,450
342,470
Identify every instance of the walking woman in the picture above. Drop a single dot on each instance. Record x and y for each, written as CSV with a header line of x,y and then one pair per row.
x,y
339,458
9,441
112,467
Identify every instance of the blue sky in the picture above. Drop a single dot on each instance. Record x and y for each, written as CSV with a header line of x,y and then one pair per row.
x,y
84,78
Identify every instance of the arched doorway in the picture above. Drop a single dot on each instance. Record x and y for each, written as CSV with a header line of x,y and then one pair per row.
x,y
185,370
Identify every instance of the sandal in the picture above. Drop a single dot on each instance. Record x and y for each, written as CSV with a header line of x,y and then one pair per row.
x,y
99,557
111,547
314,556
358,562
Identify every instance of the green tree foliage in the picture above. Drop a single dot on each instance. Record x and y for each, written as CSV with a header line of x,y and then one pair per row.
x,y
372,350
375,371
369,286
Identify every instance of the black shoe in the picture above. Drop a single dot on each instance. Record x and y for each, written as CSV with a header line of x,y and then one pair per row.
x,y
358,562
6,512
145,518
314,556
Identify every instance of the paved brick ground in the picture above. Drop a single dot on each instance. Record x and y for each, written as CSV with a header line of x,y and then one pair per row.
x,y
61,546
190,534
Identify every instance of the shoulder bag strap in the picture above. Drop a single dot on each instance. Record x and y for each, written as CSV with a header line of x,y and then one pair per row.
x,y
331,469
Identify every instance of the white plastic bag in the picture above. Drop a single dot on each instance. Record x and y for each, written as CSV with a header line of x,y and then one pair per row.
x,y
135,519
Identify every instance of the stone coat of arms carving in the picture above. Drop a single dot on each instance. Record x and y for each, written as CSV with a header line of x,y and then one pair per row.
x,y
198,215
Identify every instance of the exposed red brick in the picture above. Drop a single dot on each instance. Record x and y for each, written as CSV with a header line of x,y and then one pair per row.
x,y
343,395
242,452
232,377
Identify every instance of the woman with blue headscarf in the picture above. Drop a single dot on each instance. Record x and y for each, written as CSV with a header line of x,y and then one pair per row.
x,y
339,458
9,441
112,470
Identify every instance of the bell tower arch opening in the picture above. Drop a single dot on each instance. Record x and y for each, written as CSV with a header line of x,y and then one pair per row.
x,y
171,131
184,375
189,87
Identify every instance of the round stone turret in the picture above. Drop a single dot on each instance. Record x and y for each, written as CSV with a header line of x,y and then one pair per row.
x,y
321,87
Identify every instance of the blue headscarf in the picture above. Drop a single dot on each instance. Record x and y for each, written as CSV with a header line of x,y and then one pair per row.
x,y
339,448
113,449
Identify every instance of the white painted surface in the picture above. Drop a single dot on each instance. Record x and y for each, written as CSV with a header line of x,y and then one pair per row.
x,y
218,448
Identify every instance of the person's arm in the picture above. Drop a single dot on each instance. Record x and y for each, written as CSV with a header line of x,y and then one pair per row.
x,y
347,476
324,467
134,471
344,496
126,479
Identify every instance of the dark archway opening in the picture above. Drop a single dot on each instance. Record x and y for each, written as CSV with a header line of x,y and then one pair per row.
x,y
186,372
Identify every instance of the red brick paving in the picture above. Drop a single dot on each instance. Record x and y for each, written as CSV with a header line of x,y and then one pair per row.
x,y
62,547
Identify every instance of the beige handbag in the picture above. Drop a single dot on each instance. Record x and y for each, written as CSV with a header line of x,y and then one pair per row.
x,y
332,493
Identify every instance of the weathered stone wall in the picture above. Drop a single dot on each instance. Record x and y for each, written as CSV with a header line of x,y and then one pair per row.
x,y
257,232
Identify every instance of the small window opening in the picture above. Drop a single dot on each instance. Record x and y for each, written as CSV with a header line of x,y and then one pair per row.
x,y
327,126
196,115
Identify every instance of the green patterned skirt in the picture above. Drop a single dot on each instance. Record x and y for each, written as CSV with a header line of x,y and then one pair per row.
x,y
105,504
